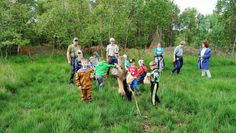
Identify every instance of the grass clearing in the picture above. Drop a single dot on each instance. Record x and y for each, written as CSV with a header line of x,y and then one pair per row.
x,y
35,97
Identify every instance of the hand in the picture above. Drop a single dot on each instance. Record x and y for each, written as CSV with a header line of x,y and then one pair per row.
x,y
173,60
69,62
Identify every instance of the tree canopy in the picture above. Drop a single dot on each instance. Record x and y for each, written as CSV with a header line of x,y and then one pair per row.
x,y
134,23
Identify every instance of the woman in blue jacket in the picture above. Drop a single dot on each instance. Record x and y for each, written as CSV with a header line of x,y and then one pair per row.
x,y
204,59
159,57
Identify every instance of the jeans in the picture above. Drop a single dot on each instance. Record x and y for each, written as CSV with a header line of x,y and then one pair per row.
x,y
100,81
134,85
178,65
111,60
73,69
141,78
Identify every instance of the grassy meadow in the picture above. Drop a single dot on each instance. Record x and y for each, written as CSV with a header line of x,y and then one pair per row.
x,y
35,97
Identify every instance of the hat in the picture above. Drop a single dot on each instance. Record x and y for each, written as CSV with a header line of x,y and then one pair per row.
x,y
112,40
125,55
76,39
79,52
153,65
91,58
131,60
182,43
95,53
141,62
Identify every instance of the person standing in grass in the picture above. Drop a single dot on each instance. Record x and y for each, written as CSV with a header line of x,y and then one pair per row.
x,y
84,81
100,71
142,71
159,57
126,62
112,53
78,60
72,57
133,76
204,59
154,79
178,57
95,58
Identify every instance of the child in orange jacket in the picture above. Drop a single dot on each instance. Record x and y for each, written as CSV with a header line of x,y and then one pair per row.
x,y
84,81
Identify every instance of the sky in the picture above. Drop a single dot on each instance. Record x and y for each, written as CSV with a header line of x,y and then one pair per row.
x,y
203,6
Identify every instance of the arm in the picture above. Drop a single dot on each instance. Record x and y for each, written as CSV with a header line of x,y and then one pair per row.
x,y
117,50
163,51
155,52
78,79
68,55
107,53
175,51
207,55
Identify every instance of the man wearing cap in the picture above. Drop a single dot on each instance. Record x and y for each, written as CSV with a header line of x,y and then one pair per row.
x,y
112,52
72,53
178,57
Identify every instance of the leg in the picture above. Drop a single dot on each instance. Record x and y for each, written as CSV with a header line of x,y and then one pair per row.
x,y
203,73
109,62
72,74
176,66
180,64
156,96
135,86
152,89
100,82
83,94
89,94
126,89
208,73
141,78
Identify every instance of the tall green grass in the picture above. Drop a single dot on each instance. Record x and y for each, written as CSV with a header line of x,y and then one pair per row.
x,y
35,97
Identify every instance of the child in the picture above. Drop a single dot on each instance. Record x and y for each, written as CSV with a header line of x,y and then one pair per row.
x,y
95,58
154,78
127,64
100,71
142,71
133,71
78,59
90,63
84,81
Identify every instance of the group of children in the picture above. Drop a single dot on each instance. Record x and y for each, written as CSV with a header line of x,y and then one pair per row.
x,y
97,69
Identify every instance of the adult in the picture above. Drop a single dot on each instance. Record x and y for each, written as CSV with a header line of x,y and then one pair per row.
x,y
178,57
159,57
72,54
112,53
204,59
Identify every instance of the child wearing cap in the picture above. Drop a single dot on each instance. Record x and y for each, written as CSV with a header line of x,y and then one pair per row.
x,y
154,79
142,71
133,72
84,82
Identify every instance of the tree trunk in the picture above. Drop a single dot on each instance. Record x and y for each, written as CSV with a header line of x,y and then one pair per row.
x,y
1,53
18,49
234,46
6,53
